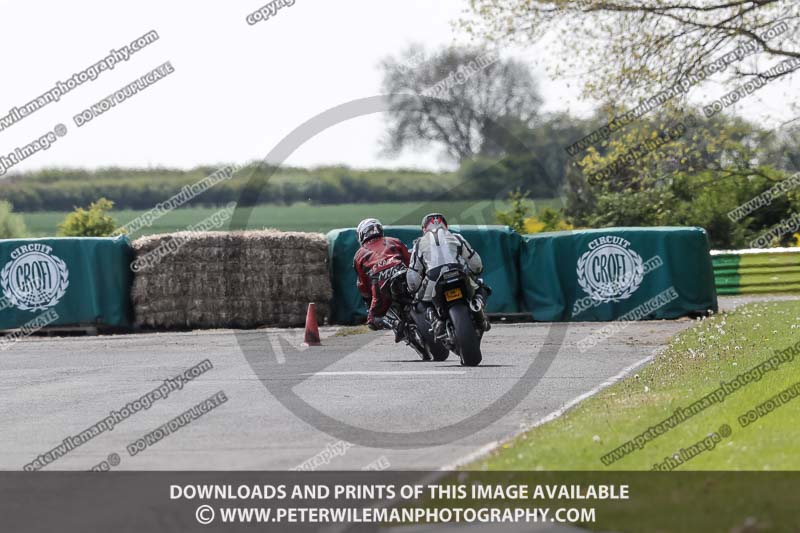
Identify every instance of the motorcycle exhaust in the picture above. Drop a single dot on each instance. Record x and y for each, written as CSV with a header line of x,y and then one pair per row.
x,y
476,305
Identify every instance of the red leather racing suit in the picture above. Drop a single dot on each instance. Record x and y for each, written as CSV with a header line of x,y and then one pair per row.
x,y
375,263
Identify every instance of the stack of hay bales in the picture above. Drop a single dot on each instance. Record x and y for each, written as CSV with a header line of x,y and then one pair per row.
x,y
240,279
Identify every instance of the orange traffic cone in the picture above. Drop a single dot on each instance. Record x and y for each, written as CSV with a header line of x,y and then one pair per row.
x,y
312,328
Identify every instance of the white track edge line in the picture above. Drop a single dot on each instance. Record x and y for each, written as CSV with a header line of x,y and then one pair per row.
x,y
484,450
490,447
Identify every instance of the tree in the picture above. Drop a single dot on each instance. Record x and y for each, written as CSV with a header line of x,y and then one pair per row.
x,y
635,48
783,148
11,225
457,97
705,169
533,158
94,222
654,159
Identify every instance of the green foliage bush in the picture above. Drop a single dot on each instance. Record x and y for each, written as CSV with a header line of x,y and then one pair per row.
x,y
57,190
696,179
703,199
519,211
532,159
546,220
92,222
11,225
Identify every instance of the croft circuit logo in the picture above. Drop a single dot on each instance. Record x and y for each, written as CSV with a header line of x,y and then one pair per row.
x,y
610,271
34,279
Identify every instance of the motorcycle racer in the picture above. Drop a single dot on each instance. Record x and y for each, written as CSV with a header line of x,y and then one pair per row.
x,y
377,260
438,247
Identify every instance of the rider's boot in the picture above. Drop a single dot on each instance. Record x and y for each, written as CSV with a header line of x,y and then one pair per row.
x,y
480,296
438,329
486,324
399,331
437,325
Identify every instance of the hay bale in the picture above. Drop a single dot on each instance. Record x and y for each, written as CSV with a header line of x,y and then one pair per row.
x,y
239,279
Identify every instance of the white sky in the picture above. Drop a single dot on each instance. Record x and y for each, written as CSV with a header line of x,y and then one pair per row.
x,y
237,89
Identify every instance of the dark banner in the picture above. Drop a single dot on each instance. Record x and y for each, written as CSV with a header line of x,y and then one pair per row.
x,y
67,281
617,274
139,502
498,247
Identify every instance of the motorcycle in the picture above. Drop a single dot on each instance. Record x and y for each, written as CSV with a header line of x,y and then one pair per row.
x,y
409,323
459,307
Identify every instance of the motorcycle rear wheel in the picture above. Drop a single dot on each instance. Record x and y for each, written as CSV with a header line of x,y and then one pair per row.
x,y
467,341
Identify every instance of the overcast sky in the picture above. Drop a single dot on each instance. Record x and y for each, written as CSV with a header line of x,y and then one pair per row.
x,y
237,89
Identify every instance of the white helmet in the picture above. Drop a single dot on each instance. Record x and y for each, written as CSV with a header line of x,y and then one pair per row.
x,y
368,229
433,221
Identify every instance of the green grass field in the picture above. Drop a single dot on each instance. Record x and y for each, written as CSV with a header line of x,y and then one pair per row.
x,y
693,365
301,217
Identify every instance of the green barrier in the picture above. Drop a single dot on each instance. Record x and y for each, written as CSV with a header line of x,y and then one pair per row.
x,y
777,288
65,282
498,246
757,271
770,259
608,274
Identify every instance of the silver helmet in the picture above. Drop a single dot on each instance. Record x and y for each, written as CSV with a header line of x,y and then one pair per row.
x,y
368,229
433,221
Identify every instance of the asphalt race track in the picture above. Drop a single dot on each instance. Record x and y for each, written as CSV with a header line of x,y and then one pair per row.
x,y
58,387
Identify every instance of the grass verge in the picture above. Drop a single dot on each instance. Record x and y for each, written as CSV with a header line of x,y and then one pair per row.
x,y
347,331
693,365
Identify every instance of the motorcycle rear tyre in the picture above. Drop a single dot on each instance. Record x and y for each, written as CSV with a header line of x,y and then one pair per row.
x,y
467,341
